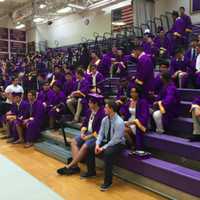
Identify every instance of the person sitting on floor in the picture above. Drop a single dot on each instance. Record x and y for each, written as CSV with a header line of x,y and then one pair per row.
x,y
85,143
14,118
29,130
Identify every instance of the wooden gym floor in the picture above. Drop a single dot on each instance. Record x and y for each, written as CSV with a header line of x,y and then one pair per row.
x,y
70,188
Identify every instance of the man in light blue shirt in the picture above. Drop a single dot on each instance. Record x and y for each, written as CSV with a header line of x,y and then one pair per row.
x,y
110,141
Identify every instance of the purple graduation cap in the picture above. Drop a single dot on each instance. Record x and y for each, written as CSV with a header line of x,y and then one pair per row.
x,y
96,98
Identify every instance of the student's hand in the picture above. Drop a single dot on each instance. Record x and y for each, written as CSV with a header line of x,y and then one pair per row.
x,y
82,136
97,150
44,104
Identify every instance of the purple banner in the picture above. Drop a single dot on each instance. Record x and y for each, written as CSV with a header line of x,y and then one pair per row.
x,y
17,35
18,47
3,46
4,33
195,5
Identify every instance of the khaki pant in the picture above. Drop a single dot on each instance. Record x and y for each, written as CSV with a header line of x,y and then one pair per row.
x,y
75,106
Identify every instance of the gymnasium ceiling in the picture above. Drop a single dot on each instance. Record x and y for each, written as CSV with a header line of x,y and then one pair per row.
x,y
23,11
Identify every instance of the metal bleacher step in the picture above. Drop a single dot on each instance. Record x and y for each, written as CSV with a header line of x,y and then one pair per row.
x,y
55,151
173,145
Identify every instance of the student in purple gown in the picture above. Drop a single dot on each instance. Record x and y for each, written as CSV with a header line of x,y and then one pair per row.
x,y
166,106
77,98
34,122
57,75
191,55
187,23
137,117
144,74
95,79
119,65
57,104
95,60
197,67
179,68
195,110
69,84
177,31
14,118
162,43
163,68
85,143
45,95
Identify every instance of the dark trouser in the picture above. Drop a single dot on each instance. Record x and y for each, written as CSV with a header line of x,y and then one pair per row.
x,y
109,156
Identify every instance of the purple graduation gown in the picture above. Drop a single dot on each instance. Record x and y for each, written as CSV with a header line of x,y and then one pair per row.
x,y
20,111
99,78
32,132
145,74
188,26
57,100
182,65
178,27
142,114
97,120
171,103
68,87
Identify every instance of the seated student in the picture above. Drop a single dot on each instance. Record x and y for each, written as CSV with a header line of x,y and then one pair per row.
x,y
29,129
191,55
197,67
13,88
162,43
137,116
69,84
195,109
85,143
77,98
179,68
94,79
110,142
45,95
57,104
95,60
163,68
57,75
167,104
14,118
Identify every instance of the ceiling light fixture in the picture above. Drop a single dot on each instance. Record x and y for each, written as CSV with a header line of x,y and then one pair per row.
x,y
43,6
118,23
64,10
76,6
101,3
20,26
2,0
38,20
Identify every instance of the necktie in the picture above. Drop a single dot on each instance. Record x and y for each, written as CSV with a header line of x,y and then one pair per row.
x,y
193,54
109,131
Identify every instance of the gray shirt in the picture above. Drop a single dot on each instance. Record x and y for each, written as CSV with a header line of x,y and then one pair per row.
x,y
117,131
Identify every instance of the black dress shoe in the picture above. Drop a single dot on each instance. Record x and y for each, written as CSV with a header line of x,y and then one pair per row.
x,y
105,186
68,171
87,175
